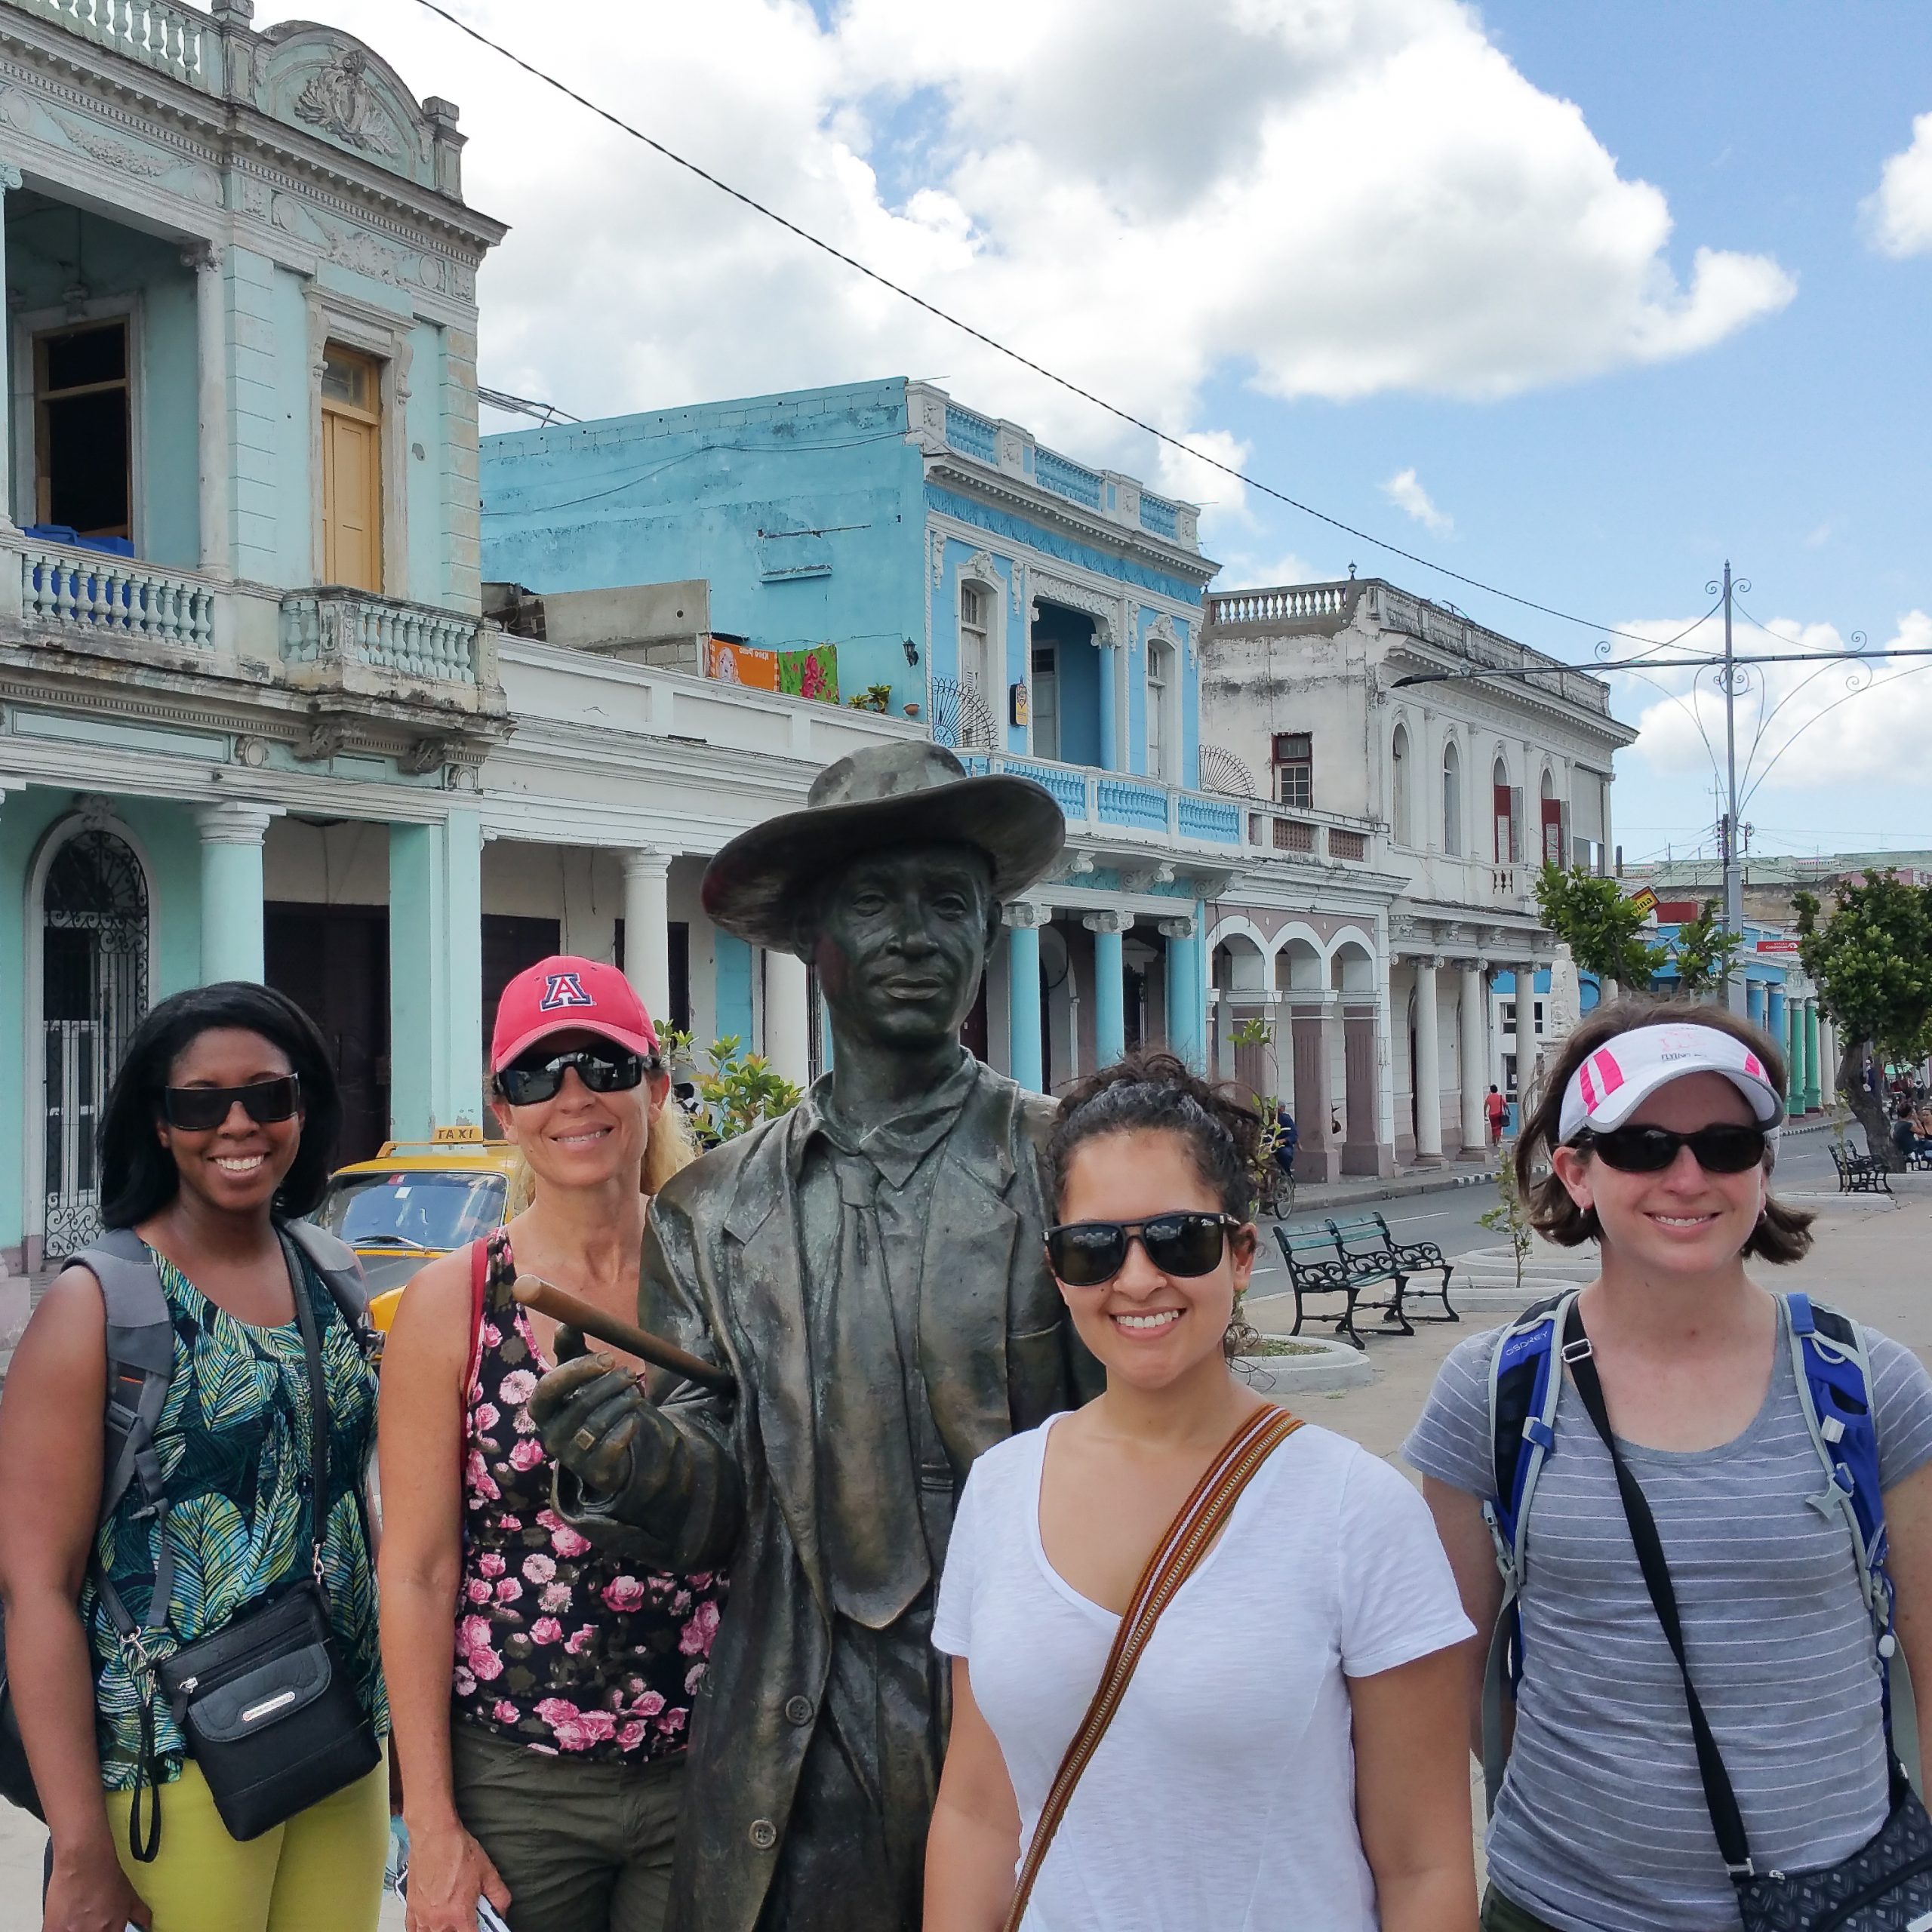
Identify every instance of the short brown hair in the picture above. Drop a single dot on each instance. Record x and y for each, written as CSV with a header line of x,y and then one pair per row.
x,y
1783,1234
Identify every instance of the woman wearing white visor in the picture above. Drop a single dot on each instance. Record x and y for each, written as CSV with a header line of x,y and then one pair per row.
x,y
1746,1472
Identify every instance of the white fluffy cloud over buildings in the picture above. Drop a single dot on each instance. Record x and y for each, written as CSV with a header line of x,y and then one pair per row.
x,y
1318,199
1898,216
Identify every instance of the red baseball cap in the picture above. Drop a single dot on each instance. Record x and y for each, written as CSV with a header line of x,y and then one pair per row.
x,y
566,995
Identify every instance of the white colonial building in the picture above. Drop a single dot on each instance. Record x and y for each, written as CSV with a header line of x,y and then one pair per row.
x,y
1393,1001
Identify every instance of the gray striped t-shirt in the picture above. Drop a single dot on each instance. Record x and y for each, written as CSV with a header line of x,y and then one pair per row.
x,y
1601,1826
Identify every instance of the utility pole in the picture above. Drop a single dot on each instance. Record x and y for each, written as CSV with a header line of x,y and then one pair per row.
x,y
1734,872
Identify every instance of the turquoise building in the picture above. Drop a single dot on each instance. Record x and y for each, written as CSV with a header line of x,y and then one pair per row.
x,y
1038,614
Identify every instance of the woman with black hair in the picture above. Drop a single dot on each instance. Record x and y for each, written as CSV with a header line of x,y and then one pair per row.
x,y
1288,1750
219,1128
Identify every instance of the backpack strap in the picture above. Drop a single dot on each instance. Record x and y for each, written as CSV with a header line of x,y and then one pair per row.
x,y
1833,1369
338,1265
1525,1383
140,1360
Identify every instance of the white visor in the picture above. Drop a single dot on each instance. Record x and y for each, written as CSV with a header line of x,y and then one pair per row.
x,y
1616,1080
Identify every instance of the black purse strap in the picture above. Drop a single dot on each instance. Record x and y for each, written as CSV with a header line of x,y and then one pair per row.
x,y
318,1411
1726,1821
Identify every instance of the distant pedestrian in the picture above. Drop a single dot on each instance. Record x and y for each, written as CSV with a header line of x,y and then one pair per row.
x,y
1496,1109
1734,1410
1324,1786
217,1135
543,1763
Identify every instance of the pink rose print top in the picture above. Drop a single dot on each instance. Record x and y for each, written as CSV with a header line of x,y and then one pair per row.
x,y
557,1643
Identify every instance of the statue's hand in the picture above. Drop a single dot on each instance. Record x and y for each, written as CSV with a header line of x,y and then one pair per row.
x,y
596,1421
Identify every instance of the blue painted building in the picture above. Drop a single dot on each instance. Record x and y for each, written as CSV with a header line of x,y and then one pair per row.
x,y
1038,614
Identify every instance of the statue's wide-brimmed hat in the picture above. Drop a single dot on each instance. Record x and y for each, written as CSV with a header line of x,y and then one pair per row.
x,y
882,799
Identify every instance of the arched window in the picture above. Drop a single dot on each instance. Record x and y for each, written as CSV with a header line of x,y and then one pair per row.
x,y
1452,798
1504,810
1398,787
978,710
1161,735
1552,821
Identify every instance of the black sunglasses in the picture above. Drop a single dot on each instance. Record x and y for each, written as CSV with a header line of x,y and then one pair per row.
x,y
1723,1148
195,1110
527,1082
1086,1254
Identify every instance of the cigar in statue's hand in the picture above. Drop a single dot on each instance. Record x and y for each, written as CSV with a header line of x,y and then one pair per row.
x,y
572,1311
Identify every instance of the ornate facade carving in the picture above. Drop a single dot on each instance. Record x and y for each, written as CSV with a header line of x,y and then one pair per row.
x,y
339,100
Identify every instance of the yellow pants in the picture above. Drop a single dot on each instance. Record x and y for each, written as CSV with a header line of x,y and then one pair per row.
x,y
322,1872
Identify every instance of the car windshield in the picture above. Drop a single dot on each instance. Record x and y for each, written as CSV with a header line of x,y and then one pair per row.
x,y
428,1208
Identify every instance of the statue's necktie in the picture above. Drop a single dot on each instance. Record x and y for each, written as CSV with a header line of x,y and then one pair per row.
x,y
870,1531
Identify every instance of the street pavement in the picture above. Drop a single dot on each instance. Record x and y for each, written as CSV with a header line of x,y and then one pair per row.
x,y
1869,1261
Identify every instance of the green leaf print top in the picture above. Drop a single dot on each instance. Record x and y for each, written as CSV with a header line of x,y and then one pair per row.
x,y
233,1440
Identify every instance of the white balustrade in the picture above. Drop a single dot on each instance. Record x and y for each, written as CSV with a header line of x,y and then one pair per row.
x,y
90,592
177,40
352,627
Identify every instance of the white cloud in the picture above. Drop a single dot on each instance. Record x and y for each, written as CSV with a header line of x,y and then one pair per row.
x,y
1898,217
1799,725
1409,496
1323,199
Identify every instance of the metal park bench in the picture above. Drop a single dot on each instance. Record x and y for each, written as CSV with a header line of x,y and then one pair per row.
x,y
1367,1239
1317,1266
1858,1173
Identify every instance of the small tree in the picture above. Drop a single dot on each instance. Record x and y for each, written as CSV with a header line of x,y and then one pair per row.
x,y
1591,916
1509,1216
1706,952
1872,962
738,1090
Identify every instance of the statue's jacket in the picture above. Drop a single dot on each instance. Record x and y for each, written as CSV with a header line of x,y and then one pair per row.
x,y
723,1275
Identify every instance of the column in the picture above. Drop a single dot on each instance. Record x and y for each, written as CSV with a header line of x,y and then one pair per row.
x,y
9,182
435,975
1794,1057
1525,1047
1473,1017
208,261
1109,984
1026,1049
1811,1056
1774,1019
1187,1005
647,929
1828,1059
1110,664
787,1016
232,921
1754,1001
1429,1067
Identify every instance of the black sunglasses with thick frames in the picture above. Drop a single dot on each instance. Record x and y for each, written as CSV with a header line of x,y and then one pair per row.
x,y
1724,1147
526,1082
196,1109
1088,1254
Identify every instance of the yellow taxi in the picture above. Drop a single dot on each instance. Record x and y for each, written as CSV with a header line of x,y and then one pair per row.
x,y
416,1200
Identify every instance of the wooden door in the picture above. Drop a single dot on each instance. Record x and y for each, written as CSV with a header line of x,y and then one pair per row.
x,y
334,962
351,470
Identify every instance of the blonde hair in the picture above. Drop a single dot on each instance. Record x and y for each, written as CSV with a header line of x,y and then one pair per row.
x,y
670,1147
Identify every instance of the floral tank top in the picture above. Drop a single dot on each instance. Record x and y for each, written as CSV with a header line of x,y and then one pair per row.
x,y
233,1438
559,1645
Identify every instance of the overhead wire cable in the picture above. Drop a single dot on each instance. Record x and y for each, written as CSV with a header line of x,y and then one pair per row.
x,y
979,335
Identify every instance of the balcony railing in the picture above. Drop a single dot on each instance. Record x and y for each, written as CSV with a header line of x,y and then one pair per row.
x,y
332,626
97,595
1095,801
1065,478
1308,835
175,40
1291,604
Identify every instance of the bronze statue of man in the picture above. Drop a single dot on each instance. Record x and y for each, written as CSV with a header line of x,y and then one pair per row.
x,y
870,1268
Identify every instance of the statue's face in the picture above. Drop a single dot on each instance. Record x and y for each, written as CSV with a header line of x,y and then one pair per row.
x,y
900,940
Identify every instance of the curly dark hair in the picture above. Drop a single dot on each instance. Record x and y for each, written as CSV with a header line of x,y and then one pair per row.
x,y
1783,1234
1154,1091
138,1177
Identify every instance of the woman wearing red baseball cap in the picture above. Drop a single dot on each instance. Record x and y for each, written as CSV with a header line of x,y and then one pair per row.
x,y
541,1686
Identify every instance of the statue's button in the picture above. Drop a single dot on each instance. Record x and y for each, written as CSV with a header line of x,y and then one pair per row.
x,y
764,1835
799,1711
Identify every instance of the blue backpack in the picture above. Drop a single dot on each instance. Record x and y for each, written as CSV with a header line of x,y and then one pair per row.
x,y
1834,1378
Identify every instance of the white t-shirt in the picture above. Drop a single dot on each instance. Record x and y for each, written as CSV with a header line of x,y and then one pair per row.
x,y
1222,1796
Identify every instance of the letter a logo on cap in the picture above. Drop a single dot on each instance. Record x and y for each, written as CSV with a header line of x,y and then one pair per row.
x,y
561,990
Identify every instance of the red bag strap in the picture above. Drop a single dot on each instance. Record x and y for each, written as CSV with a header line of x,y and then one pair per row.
x,y
1189,1537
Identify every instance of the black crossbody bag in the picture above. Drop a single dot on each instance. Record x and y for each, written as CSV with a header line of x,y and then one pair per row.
x,y
267,1703
1884,1886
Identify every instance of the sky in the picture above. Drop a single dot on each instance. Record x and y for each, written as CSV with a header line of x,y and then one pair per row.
x,y
1577,302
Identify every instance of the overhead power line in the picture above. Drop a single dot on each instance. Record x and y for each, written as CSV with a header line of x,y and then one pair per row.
x,y
1012,355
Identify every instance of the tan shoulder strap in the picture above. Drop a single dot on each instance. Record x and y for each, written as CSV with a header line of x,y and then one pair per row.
x,y
1189,1537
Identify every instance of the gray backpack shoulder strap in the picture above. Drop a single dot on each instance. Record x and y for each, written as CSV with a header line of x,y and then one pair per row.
x,y
140,1360
338,1264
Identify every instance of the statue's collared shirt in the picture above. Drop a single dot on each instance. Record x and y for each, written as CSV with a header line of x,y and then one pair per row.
x,y
864,1200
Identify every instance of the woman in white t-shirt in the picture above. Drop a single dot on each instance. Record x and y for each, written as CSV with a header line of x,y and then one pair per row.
x,y
1289,1753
